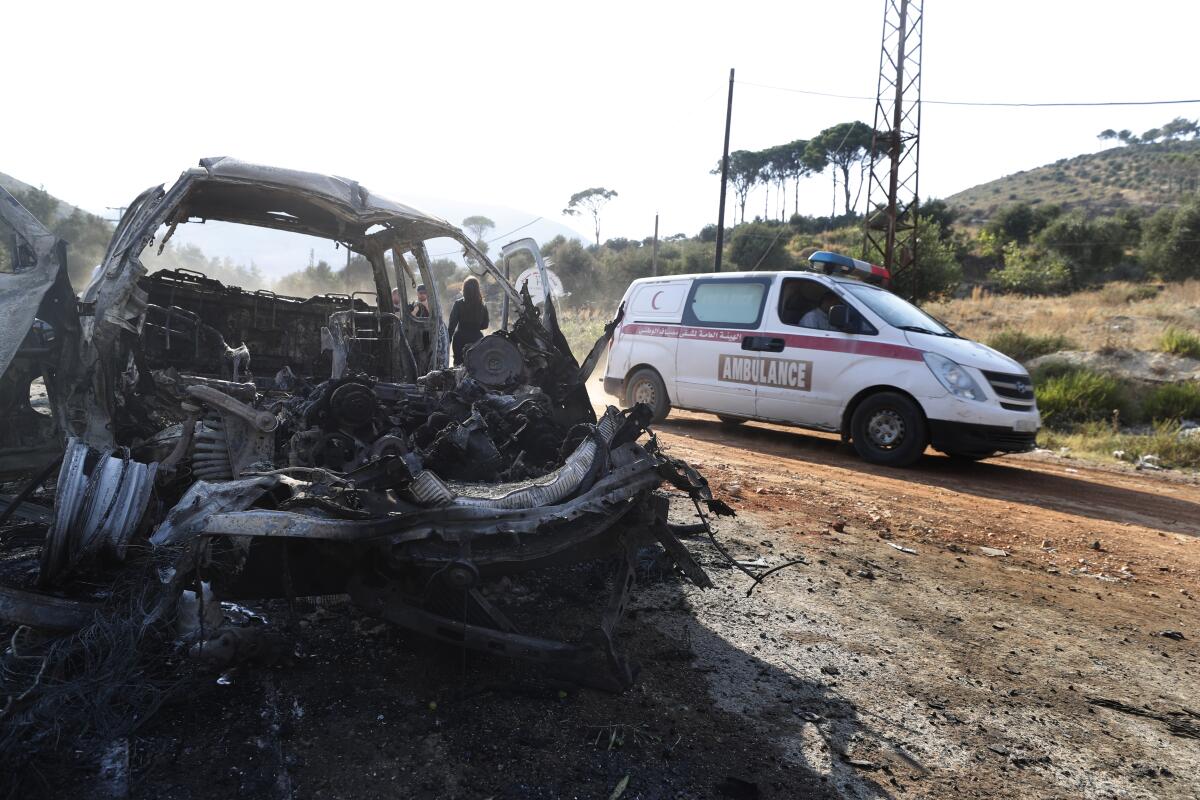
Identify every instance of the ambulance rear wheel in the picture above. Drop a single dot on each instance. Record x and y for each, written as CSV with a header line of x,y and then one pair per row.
x,y
889,429
646,386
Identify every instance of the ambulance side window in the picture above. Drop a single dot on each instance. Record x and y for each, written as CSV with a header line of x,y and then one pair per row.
x,y
800,304
736,303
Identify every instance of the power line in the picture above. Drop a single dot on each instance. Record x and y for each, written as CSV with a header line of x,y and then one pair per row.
x,y
981,104
494,238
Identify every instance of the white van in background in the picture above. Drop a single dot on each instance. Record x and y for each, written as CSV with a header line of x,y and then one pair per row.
x,y
821,351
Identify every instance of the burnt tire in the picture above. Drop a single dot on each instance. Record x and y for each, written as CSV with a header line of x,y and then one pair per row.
x,y
646,386
728,420
889,429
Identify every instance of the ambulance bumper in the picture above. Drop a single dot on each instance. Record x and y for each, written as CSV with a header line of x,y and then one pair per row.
x,y
615,387
973,438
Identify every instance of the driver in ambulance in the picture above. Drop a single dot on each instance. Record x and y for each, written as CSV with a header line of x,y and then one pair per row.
x,y
818,317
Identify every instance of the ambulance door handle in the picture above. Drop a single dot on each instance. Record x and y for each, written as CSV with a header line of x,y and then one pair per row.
x,y
763,344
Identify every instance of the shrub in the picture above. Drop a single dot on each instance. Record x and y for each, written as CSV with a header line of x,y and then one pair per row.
x,y
1029,271
938,271
1117,294
758,245
1070,395
1180,342
1171,242
1091,246
1026,346
1175,401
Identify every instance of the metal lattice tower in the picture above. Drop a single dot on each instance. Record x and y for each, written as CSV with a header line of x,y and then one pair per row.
x,y
892,198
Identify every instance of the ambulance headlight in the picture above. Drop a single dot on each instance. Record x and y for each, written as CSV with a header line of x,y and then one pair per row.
x,y
954,377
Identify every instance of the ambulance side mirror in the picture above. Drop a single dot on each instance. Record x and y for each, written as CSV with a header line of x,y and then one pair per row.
x,y
839,317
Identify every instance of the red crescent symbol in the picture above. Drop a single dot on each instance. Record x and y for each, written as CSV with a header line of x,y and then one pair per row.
x,y
654,301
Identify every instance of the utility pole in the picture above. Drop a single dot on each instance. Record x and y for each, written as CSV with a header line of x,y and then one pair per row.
x,y
890,231
724,175
654,252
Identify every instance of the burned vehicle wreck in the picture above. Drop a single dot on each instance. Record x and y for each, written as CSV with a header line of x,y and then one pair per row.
x,y
251,446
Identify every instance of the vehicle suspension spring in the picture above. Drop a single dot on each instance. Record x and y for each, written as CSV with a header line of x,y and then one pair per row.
x,y
210,460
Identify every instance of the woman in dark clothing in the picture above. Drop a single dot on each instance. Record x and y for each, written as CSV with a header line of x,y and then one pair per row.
x,y
468,317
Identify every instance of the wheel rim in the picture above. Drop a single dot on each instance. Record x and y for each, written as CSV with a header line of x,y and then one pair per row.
x,y
886,429
643,392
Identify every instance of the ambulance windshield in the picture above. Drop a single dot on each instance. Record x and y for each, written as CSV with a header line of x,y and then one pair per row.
x,y
894,311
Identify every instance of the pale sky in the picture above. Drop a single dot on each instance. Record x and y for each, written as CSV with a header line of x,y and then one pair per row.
x,y
521,104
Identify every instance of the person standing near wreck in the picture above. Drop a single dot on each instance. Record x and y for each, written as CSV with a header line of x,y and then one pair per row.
x,y
468,318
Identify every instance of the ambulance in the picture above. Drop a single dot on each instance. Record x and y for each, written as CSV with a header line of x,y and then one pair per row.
x,y
829,349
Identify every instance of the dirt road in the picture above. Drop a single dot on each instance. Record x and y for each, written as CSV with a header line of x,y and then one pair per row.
x,y
1043,672
870,671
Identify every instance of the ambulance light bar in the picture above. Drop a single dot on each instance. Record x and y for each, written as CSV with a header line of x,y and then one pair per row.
x,y
831,263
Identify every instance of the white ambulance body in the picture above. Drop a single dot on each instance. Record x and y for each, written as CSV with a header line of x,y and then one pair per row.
x,y
819,351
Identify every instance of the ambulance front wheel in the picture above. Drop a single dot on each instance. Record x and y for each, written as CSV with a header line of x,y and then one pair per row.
x,y
646,386
889,429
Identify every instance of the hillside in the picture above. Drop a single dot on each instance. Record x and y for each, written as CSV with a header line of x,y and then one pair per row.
x,y
86,234
1142,175
18,187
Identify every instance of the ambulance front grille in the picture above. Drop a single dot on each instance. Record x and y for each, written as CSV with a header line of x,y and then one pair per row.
x,y
1015,391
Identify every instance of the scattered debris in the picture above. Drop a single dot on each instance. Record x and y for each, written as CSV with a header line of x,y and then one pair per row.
x,y
901,548
1184,723
1176,635
993,552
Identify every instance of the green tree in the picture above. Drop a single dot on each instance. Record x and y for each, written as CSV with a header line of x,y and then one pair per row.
x,y
1171,242
1020,222
1032,271
941,214
761,246
592,201
1091,247
479,225
1180,128
745,171
784,162
843,146
939,271
574,265
774,170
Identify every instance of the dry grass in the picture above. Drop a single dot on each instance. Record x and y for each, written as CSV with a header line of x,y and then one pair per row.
x,y
581,327
1117,316
1097,441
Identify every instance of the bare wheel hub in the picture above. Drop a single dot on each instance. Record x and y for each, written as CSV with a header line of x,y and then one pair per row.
x,y
643,392
885,428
